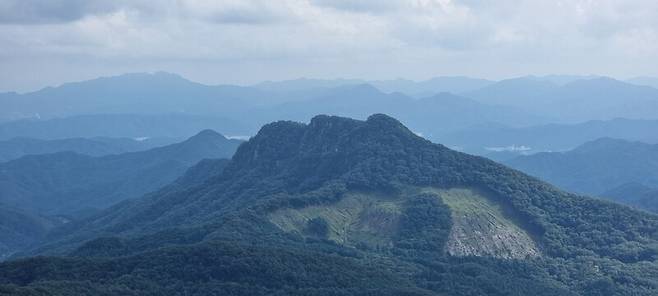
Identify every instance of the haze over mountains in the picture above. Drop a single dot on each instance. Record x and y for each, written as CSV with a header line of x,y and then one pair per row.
x,y
622,170
169,93
500,142
580,100
76,181
90,179
167,105
137,126
329,148
362,207
634,194
38,192
97,146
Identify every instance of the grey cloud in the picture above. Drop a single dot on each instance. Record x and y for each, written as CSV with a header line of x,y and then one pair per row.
x,y
363,6
50,11
245,16
382,39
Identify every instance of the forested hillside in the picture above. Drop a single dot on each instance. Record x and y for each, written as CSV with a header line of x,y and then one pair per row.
x,y
594,167
362,207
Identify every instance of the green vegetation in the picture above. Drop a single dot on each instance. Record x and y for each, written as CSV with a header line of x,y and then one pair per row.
x,y
65,182
38,192
358,219
248,229
595,167
636,195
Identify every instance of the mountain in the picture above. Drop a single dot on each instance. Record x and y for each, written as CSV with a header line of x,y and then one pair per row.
x,y
98,146
19,228
440,113
558,79
518,92
644,80
417,89
430,87
146,93
598,98
634,194
302,84
39,192
495,140
141,126
594,167
65,182
347,207
167,105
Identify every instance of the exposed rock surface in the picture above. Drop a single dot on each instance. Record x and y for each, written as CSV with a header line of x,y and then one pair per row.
x,y
480,228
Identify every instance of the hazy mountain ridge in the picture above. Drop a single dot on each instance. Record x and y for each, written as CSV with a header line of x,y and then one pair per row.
x,y
634,194
599,98
66,181
20,228
17,147
596,166
130,93
164,97
176,126
39,192
433,115
545,138
644,80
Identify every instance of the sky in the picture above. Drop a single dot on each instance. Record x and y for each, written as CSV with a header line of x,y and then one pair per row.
x,y
48,42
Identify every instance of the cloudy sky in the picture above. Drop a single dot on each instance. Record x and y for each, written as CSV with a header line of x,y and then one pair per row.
x,y
47,42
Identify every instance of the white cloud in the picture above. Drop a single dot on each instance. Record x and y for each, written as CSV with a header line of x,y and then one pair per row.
x,y
511,148
325,38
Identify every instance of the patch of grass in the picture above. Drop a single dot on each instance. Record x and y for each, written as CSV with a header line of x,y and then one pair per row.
x,y
363,219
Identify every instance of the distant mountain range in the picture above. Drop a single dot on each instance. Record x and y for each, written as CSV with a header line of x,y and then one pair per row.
x,y
66,182
440,113
416,89
580,100
20,228
602,167
634,194
138,93
644,80
97,146
518,102
503,143
136,126
347,207
38,192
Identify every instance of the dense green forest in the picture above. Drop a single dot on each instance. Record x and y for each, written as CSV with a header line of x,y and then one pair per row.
x,y
234,232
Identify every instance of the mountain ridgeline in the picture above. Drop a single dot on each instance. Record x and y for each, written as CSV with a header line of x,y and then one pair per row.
x,y
596,166
65,182
168,105
39,192
634,194
363,208
98,146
